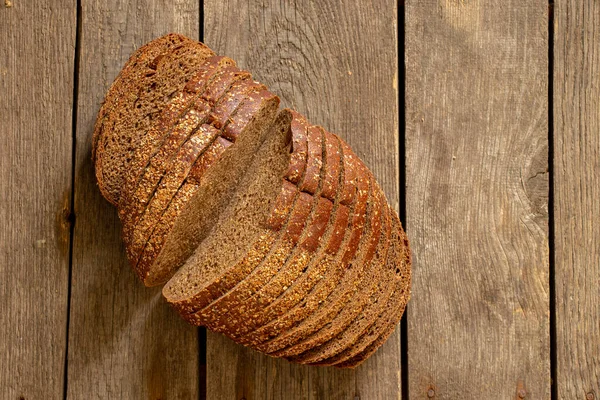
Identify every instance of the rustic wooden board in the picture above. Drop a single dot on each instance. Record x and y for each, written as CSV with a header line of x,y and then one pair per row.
x,y
477,195
335,62
576,193
36,88
125,341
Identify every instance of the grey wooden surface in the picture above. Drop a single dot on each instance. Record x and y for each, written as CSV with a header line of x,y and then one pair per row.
x,y
477,198
577,197
492,243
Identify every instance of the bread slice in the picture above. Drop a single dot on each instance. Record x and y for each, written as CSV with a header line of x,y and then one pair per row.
x,y
398,275
241,221
139,214
359,312
132,201
328,265
280,218
174,240
233,311
324,232
121,130
139,67
330,305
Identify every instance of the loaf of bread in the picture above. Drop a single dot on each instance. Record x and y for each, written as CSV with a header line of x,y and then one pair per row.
x,y
260,225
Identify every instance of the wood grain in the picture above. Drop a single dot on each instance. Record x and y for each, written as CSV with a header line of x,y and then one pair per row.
x,y
36,88
125,341
477,195
576,193
337,63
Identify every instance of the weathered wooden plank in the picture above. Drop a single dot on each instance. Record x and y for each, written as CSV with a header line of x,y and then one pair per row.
x,y
335,62
125,341
576,192
36,88
477,193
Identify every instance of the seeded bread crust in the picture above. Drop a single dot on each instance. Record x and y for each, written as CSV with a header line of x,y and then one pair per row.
x,y
331,305
131,204
329,261
167,187
377,334
279,219
325,342
141,62
136,111
324,235
233,312
248,108
297,167
202,99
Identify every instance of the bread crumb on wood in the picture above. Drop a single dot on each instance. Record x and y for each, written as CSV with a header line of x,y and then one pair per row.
x,y
7,3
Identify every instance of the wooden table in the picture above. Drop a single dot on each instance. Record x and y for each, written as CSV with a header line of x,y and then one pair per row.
x,y
481,120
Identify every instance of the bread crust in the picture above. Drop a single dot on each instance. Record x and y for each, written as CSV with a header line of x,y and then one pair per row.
x,y
295,304
377,333
360,309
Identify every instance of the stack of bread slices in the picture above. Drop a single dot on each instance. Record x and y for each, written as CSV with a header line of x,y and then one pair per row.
x,y
260,225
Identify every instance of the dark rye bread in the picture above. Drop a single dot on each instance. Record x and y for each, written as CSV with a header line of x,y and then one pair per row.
x,y
250,124
215,147
138,67
133,200
371,338
150,199
329,306
269,281
241,221
227,312
299,273
280,220
319,279
361,307
391,314
133,115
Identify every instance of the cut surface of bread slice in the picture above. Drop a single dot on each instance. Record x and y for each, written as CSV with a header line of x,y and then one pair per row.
x,y
243,219
361,307
398,276
131,118
150,200
310,215
174,240
281,220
